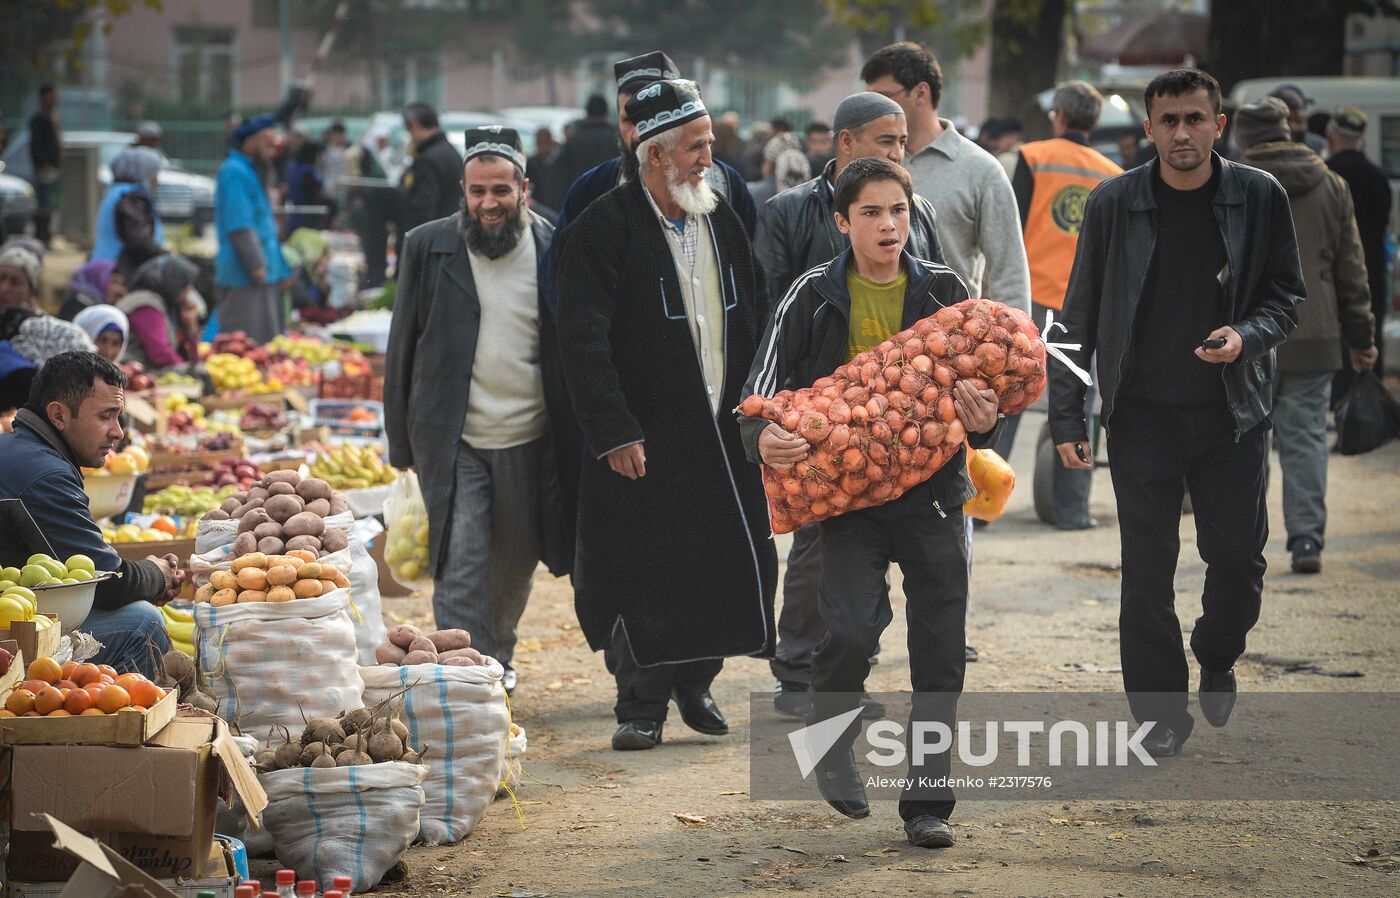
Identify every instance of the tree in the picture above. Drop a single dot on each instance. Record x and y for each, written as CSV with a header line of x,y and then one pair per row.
x,y
1258,38
879,22
1026,39
545,40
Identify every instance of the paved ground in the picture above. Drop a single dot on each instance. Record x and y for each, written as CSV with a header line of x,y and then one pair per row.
x,y
594,822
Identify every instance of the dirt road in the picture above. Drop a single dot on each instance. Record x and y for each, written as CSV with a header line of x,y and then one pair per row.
x,y
594,822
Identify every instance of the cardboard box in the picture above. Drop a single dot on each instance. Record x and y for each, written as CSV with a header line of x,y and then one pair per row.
x,y
154,805
126,727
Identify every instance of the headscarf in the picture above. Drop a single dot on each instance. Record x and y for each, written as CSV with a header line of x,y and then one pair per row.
x,y
26,260
91,279
42,337
96,319
167,275
136,164
11,317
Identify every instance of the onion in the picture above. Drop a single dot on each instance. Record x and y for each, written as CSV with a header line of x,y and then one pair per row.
x,y
922,455
877,406
859,414
879,386
911,383
822,383
821,404
1027,366
925,327
820,508
958,343
948,318
868,372
892,374
881,491
911,478
913,347
899,401
874,473
991,358
791,419
903,456
922,364
792,487
997,334
814,488
839,412
854,483
1002,383
751,407
839,500
944,375
1021,342
956,433
840,435
815,427
932,433
853,460
892,356
879,434
856,395
976,383
947,411
966,365
801,470
877,451
909,436
929,394
937,344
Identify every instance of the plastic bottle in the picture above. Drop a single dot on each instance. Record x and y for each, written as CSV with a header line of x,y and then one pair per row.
x,y
333,893
271,895
286,884
245,891
255,885
306,889
343,884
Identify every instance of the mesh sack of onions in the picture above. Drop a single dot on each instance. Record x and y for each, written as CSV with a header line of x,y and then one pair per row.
x,y
885,422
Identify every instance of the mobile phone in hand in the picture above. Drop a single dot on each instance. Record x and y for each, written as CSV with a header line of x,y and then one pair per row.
x,y
1213,343
1079,452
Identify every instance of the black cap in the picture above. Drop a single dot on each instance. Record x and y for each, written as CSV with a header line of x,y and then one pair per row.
x,y
495,140
634,71
663,105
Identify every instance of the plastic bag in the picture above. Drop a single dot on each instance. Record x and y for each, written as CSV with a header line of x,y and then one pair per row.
x,y
343,821
994,479
459,716
279,663
406,518
516,746
211,535
1368,417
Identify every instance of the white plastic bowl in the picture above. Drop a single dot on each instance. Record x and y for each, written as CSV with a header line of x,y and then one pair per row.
x,y
72,602
109,494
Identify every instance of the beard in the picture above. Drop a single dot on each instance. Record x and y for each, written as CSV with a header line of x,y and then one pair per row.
x,y
493,243
694,199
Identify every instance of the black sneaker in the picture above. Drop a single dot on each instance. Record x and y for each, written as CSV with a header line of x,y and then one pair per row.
x,y
970,653
790,699
1307,556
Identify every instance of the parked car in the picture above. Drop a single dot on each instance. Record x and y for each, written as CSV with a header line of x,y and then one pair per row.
x,y
181,196
17,203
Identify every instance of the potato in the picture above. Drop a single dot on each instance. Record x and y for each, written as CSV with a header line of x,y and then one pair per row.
x,y
314,488
471,654
241,497
403,635
318,507
310,571
327,586
252,595
304,525
334,539
293,560
291,477
422,644
246,507
420,658
280,594
278,488
250,521
204,592
280,508
252,578
460,661
340,580
254,559
304,543
230,504
270,544
388,653
305,555
446,640
281,575
339,504
223,580
245,544
217,514
268,528
223,597
258,492
307,589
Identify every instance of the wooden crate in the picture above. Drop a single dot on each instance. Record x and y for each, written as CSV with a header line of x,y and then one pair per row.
x,y
128,726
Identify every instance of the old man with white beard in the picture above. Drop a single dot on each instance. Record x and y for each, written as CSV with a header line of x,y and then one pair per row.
x,y
659,293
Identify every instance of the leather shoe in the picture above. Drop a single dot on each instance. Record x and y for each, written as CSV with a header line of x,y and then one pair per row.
x,y
929,832
700,713
1162,742
839,782
869,708
790,699
1217,696
637,735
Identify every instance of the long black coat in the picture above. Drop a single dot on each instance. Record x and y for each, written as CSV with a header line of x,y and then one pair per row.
x,y
428,374
680,558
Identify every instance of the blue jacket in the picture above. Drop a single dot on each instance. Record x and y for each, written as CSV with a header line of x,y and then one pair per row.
x,y
240,202
43,509
109,245
602,178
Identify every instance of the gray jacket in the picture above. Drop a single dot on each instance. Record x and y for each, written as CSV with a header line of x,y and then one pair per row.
x,y
797,232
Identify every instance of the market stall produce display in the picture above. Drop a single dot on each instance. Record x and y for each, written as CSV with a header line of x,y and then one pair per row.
x,y
408,645
886,421
259,577
284,511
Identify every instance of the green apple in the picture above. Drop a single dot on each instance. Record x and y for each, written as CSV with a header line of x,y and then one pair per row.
x,y
10,573
80,575
38,557
33,574
80,563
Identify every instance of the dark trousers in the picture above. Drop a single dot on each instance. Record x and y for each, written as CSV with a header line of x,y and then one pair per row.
x,y
644,693
1155,453
931,551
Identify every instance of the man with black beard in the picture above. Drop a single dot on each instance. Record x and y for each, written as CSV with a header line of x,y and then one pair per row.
x,y
471,395
632,75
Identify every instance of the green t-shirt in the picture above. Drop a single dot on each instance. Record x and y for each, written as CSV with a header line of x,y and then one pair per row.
x,y
877,311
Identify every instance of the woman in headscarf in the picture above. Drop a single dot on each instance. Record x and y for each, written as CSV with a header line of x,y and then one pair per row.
x,y
108,328
128,229
27,340
93,284
21,273
164,310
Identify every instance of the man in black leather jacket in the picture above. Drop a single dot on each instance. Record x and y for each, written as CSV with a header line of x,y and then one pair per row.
x,y
1185,279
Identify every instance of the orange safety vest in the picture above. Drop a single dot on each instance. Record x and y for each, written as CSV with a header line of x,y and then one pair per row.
x,y
1063,172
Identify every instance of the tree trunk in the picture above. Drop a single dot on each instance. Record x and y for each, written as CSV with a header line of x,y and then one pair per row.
x,y
1026,40
1259,38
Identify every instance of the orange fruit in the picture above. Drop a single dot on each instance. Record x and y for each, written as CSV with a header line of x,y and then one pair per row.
x,y
93,712
113,699
58,712
33,685
48,699
78,701
108,669
21,701
165,524
94,690
84,674
68,668
127,679
65,685
45,669
104,680
145,694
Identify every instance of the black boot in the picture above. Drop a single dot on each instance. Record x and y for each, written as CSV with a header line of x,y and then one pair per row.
x,y
700,713
839,782
637,735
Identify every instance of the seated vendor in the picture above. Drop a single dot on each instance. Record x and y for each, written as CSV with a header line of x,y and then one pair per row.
x,y
71,420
